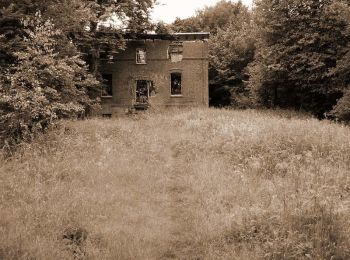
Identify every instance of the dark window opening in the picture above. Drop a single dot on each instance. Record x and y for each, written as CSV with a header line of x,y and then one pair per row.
x,y
176,84
141,56
144,90
107,115
107,87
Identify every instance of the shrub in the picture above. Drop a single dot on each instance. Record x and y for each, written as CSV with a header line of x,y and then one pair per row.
x,y
342,108
42,85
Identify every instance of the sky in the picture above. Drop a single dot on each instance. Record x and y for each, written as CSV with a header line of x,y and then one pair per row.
x,y
168,10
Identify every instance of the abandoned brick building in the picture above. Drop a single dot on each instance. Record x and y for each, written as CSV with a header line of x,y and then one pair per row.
x,y
157,70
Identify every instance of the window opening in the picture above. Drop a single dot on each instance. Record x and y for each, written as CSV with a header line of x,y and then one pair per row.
x,y
176,82
144,90
141,56
107,87
175,52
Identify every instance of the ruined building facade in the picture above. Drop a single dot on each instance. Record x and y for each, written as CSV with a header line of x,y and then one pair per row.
x,y
157,71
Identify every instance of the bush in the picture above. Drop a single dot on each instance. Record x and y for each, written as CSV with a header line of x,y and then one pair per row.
x,y
342,109
42,85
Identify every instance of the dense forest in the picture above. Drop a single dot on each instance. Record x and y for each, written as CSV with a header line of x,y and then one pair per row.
x,y
287,53
291,54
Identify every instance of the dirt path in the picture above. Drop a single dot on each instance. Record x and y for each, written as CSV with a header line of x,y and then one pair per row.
x,y
181,244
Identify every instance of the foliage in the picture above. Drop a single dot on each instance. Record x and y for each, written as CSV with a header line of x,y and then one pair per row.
x,y
43,85
43,65
190,24
73,17
210,19
231,49
298,46
81,21
162,28
341,110
108,21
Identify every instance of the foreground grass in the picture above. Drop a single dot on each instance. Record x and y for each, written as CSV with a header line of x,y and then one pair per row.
x,y
198,184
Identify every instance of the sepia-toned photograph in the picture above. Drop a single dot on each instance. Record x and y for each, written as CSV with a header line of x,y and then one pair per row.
x,y
174,129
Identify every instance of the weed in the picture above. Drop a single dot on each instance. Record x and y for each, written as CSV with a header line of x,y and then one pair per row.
x,y
185,184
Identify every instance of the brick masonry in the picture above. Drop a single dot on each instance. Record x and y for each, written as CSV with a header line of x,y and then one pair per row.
x,y
125,71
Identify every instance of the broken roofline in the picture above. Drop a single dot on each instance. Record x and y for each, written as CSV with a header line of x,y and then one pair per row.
x,y
172,36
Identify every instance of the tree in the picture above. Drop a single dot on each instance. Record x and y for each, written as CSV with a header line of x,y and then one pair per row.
x,y
190,24
299,44
230,52
119,17
162,28
43,45
210,19
82,21
231,49
342,71
42,86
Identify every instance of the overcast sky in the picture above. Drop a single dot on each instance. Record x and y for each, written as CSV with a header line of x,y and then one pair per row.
x,y
168,10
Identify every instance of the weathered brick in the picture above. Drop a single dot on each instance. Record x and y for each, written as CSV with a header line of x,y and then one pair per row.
x,y
125,71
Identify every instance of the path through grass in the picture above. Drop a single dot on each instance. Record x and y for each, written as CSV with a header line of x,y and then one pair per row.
x,y
195,184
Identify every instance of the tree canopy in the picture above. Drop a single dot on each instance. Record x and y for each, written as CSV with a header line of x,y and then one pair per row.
x,y
300,43
231,49
286,53
48,54
210,19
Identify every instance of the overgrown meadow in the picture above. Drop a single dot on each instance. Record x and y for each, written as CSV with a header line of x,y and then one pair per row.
x,y
181,184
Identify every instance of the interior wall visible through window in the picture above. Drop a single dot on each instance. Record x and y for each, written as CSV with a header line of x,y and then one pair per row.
x,y
175,51
141,56
107,87
176,84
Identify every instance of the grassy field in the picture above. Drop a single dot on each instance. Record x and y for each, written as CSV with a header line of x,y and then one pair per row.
x,y
194,184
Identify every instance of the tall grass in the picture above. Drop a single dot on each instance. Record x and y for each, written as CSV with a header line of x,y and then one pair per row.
x,y
182,184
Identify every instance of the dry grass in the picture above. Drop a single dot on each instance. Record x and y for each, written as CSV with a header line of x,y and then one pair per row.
x,y
195,184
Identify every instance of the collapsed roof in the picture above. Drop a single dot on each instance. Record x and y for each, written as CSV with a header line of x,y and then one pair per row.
x,y
171,37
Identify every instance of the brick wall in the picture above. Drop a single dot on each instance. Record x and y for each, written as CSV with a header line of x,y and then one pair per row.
x,y
125,71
